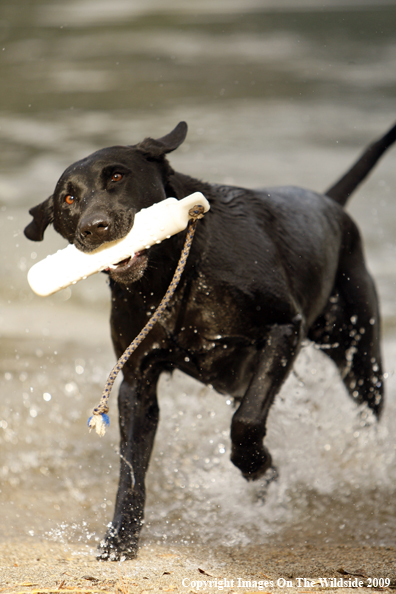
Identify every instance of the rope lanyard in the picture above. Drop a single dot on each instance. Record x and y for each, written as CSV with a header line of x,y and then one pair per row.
x,y
99,419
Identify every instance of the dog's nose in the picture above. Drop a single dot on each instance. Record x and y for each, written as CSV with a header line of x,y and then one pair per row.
x,y
95,228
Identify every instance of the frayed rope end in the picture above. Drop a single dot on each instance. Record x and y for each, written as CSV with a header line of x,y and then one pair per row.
x,y
99,423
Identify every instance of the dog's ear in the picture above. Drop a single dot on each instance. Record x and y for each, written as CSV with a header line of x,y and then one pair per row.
x,y
43,215
161,146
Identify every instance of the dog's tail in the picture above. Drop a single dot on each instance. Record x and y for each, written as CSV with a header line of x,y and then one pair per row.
x,y
341,190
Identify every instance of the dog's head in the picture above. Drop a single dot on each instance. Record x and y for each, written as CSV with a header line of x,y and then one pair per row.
x,y
96,199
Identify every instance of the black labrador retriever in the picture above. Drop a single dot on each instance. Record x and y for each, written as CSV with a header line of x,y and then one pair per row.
x,y
268,269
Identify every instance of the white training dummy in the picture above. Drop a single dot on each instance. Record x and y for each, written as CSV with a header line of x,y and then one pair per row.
x,y
151,225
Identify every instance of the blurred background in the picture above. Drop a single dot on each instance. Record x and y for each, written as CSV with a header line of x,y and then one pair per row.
x,y
274,92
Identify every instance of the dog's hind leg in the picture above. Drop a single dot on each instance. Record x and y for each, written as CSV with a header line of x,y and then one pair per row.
x,y
349,330
248,427
139,414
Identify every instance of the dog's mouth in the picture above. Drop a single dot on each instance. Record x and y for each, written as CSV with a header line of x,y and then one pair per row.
x,y
130,269
124,264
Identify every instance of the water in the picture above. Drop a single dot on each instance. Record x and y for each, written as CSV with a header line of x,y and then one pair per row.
x,y
274,93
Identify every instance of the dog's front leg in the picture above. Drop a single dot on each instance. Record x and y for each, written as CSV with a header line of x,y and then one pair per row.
x,y
139,414
248,423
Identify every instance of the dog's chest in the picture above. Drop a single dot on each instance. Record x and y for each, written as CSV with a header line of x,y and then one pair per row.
x,y
202,315
206,342
202,332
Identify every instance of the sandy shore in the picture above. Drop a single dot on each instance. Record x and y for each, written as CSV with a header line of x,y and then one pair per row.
x,y
52,567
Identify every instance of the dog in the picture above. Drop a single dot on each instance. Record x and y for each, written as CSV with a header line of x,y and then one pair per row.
x,y
268,269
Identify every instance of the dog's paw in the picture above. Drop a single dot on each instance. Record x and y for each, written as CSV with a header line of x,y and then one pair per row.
x,y
109,551
270,476
117,546
252,462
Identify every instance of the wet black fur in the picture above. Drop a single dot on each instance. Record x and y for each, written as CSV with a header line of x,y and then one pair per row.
x,y
268,269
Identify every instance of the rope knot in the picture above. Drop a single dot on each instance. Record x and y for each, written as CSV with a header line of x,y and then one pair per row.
x,y
196,212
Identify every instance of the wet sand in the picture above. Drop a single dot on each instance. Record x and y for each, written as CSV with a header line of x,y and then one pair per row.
x,y
52,567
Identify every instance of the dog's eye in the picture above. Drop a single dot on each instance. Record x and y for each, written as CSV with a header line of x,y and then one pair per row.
x,y
69,199
116,177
